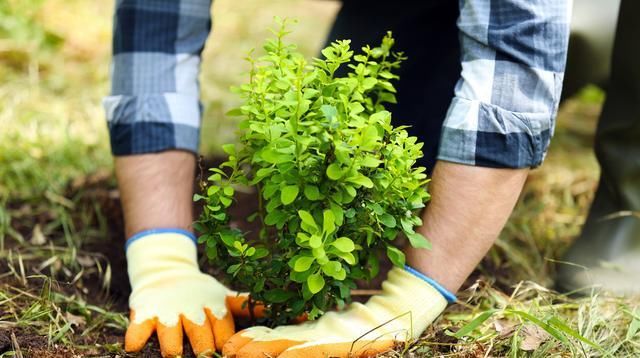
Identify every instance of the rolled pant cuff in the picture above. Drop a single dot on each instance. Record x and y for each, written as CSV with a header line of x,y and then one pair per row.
x,y
152,137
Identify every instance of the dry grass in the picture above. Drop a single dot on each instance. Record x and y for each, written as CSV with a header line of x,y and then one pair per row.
x,y
54,59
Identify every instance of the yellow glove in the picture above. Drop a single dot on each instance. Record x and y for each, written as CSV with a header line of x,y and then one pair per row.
x,y
170,294
408,304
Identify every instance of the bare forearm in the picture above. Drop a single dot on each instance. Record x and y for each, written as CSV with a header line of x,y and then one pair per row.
x,y
156,190
469,208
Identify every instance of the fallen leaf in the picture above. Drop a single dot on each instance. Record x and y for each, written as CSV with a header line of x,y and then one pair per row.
x,y
505,328
533,337
37,237
74,320
85,261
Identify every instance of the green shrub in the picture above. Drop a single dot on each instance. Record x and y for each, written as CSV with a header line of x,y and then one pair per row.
x,y
336,181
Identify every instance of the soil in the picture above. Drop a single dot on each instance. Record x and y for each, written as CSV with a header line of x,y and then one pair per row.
x,y
99,190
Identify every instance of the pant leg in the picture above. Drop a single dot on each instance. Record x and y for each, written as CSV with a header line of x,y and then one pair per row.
x,y
617,148
426,32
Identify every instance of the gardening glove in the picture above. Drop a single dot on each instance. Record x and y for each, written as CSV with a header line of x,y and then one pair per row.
x,y
170,294
409,302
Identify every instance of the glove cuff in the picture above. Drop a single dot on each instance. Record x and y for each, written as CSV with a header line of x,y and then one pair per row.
x,y
145,233
450,297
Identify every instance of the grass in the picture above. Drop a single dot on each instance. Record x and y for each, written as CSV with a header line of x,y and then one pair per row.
x,y
56,198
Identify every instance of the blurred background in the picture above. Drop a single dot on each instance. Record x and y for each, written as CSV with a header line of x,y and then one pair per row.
x,y
62,280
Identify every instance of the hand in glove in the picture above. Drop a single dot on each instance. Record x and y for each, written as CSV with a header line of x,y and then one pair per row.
x,y
408,304
171,296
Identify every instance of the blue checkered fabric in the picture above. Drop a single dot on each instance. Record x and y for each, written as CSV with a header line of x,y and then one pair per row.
x,y
154,101
505,104
502,115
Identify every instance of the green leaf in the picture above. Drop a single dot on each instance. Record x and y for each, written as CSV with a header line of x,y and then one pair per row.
x,y
275,217
369,82
355,108
211,252
318,253
377,209
351,191
334,171
406,224
329,53
233,269
225,201
278,295
303,263
396,256
229,148
217,176
302,238
374,265
228,238
288,194
312,192
259,285
323,260
380,117
271,156
315,241
263,172
347,257
308,220
269,190
369,138
315,283
338,212
343,244
388,220
418,241
219,216
328,222
261,252
371,162
361,180
335,270
331,267
308,79
329,112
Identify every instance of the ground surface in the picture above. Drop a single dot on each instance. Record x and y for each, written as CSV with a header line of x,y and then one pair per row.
x,y
63,285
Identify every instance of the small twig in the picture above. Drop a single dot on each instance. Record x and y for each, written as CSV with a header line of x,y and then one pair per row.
x,y
365,292
408,313
15,345
250,306
619,214
201,181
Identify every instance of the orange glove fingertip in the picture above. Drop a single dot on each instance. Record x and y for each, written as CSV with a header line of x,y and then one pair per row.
x,y
170,338
222,329
138,334
200,336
